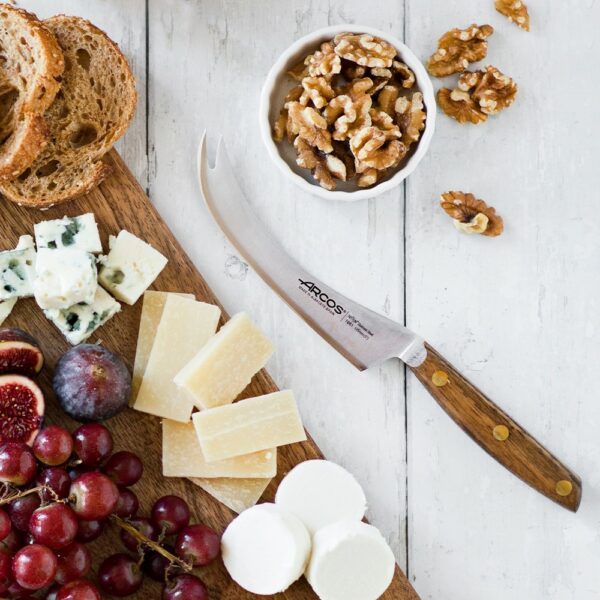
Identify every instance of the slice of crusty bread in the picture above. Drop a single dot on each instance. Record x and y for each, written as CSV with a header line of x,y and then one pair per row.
x,y
31,64
90,113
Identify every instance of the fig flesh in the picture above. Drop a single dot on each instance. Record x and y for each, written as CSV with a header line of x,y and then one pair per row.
x,y
92,383
20,353
21,409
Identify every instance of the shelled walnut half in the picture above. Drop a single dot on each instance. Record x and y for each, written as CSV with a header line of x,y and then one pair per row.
x,y
353,111
471,215
515,11
459,47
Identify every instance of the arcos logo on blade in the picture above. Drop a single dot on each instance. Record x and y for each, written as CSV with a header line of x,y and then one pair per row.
x,y
309,288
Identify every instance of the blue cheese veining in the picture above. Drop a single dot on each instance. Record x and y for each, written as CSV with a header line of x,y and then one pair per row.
x,y
78,322
69,232
130,267
17,270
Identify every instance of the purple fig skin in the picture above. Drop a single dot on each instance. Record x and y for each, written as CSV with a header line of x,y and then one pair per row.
x,y
91,383
20,353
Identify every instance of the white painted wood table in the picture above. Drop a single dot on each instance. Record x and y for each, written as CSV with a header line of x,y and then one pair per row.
x,y
517,314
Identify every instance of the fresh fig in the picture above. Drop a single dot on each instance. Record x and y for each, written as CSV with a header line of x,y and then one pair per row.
x,y
20,353
92,383
21,409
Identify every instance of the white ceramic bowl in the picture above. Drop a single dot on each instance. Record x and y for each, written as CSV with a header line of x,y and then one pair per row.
x,y
278,83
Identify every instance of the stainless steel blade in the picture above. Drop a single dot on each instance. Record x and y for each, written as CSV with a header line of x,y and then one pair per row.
x,y
361,335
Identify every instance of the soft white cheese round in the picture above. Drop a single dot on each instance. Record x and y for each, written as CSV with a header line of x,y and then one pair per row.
x,y
350,561
320,492
265,549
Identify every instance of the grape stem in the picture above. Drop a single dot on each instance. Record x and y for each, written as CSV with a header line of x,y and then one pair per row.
x,y
17,495
138,535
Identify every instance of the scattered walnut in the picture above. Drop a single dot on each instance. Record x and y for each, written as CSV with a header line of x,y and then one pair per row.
x,y
494,91
348,115
472,215
404,75
457,48
410,116
372,149
343,118
311,126
516,11
460,106
364,49
316,90
324,62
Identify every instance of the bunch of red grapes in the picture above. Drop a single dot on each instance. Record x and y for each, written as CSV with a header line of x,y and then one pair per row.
x,y
61,493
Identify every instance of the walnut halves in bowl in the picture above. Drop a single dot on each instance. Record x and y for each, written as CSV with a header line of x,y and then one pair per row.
x,y
354,113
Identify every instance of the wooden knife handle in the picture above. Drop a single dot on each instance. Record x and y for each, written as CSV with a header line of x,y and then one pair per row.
x,y
497,433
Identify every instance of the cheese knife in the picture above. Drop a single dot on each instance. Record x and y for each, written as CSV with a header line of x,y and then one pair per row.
x,y
366,338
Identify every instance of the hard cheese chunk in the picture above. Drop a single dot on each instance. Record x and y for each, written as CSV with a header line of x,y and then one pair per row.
x,y
185,326
17,270
130,267
152,310
69,232
79,321
182,457
6,307
225,366
249,426
64,277
237,494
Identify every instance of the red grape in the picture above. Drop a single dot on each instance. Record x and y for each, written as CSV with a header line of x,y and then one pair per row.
x,y
54,525
155,564
185,587
5,571
74,562
127,504
93,443
171,514
88,531
34,567
95,496
55,478
81,589
124,468
17,463
198,544
12,542
5,525
145,527
53,445
21,509
120,575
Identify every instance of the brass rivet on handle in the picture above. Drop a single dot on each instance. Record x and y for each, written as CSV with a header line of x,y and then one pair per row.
x,y
439,378
501,433
563,487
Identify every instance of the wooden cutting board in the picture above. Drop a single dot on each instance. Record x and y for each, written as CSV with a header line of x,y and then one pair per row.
x,y
120,203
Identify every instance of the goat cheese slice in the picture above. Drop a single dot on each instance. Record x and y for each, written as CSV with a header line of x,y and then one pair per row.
x,y
130,267
17,270
350,561
78,322
265,549
320,492
69,232
64,277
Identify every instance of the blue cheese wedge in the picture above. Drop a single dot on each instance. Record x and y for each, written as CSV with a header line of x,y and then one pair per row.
x,y
78,322
17,270
130,267
69,232
64,277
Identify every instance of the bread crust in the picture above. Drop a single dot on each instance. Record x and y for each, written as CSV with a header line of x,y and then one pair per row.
x,y
99,94
28,134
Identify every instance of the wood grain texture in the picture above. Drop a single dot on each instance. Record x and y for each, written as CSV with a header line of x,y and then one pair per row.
x,y
497,433
121,203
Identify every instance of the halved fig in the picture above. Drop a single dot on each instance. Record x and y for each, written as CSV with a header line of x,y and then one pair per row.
x,y
19,353
21,409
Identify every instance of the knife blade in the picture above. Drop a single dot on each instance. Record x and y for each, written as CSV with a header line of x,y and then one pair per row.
x,y
366,338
